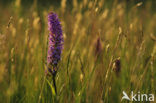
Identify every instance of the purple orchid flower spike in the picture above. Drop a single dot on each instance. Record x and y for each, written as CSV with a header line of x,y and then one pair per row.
x,y
55,42
55,45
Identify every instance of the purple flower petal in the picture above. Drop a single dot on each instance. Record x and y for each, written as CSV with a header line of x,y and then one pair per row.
x,y
55,40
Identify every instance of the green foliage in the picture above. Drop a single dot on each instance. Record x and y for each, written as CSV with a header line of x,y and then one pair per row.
x,y
87,71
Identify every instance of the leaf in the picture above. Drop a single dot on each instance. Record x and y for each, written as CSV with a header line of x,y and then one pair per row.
x,y
52,88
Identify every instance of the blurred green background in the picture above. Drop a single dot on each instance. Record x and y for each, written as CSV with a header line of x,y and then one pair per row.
x,y
109,46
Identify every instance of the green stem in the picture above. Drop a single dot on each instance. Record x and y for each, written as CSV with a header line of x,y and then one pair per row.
x,y
54,83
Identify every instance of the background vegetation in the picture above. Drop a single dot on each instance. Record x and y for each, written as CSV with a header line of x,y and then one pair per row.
x,y
97,34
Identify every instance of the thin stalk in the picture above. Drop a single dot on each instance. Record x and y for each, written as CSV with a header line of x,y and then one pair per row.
x,y
54,83
40,96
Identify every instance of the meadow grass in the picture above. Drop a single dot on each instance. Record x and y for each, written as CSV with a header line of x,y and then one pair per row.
x,y
96,34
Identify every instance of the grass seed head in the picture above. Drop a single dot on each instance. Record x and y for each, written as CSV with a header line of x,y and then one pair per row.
x,y
117,66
